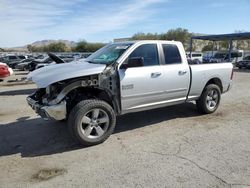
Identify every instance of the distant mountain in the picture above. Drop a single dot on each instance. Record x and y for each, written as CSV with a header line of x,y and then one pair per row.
x,y
40,43
47,42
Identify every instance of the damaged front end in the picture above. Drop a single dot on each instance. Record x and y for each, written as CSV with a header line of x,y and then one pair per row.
x,y
39,102
57,87
56,112
52,102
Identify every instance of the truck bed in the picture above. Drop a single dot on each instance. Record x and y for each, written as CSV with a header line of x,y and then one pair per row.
x,y
202,73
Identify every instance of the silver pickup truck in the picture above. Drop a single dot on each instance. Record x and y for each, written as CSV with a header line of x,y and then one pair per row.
x,y
122,78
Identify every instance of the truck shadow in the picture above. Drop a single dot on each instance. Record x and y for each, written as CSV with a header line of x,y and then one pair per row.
x,y
36,137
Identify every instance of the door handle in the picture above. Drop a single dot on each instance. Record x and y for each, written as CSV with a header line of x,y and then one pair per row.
x,y
182,72
155,74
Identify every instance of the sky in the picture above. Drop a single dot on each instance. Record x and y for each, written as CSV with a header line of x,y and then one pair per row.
x,y
23,22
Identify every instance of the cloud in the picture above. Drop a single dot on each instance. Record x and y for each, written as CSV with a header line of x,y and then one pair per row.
x,y
25,21
111,19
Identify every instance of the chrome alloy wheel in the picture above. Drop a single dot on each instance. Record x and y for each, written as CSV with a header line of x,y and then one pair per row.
x,y
212,99
94,123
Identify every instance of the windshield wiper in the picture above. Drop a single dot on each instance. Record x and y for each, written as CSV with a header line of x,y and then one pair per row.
x,y
91,62
102,63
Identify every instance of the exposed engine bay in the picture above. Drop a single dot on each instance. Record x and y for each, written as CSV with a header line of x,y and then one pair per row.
x,y
64,95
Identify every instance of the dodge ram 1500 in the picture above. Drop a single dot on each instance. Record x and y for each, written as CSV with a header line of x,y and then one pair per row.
x,y
122,78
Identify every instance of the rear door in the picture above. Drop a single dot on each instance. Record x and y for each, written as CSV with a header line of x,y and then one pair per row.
x,y
175,72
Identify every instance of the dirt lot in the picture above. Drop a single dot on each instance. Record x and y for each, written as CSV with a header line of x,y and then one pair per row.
x,y
168,147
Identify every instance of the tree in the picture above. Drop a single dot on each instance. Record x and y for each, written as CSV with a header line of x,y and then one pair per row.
x,y
248,44
143,36
240,44
208,47
81,46
224,45
53,47
56,47
178,34
92,47
29,47
84,46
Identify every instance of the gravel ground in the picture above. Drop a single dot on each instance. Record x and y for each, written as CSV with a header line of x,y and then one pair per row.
x,y
167,147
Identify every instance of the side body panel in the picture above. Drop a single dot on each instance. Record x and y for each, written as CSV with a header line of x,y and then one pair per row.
x,y
154,86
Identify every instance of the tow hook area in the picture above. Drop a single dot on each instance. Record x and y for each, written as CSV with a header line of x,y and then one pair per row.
x,y
56,112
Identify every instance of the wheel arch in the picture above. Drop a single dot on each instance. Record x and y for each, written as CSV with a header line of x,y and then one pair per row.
x,y
216,81
96,93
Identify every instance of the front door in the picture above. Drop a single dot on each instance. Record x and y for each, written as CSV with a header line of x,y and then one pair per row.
x,y
141,86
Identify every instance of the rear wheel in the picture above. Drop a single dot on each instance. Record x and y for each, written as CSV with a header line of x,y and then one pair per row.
x,y
209,99
91,122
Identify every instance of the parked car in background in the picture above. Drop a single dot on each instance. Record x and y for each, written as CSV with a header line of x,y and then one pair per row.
x,y
85,55
223,56
9,59
195,56
245,63
39,56
39,61
218,57
41,65
22,57
59,59
14,64
32,65
24,64
5,70
248,66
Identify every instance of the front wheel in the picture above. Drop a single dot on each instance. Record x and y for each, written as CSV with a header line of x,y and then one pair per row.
x,y
209,99
91,122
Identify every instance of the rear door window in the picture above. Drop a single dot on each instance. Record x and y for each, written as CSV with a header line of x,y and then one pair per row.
x,y
171,54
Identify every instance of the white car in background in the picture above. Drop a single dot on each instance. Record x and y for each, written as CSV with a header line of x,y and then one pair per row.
x,y
223,56
195,56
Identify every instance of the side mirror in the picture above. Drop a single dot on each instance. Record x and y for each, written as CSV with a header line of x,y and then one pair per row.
x,y
133,62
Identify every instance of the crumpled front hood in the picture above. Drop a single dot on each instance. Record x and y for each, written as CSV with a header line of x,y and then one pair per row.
x,y
54,73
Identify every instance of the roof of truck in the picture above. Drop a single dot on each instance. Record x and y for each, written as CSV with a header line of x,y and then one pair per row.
x,y
144,41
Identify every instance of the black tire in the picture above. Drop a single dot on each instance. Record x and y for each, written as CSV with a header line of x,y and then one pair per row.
x,y
208,106
79,129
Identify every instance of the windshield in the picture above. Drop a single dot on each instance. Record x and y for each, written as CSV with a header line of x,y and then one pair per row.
x,y
109,53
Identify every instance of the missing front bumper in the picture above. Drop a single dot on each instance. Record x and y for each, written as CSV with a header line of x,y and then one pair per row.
x,y
56,112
